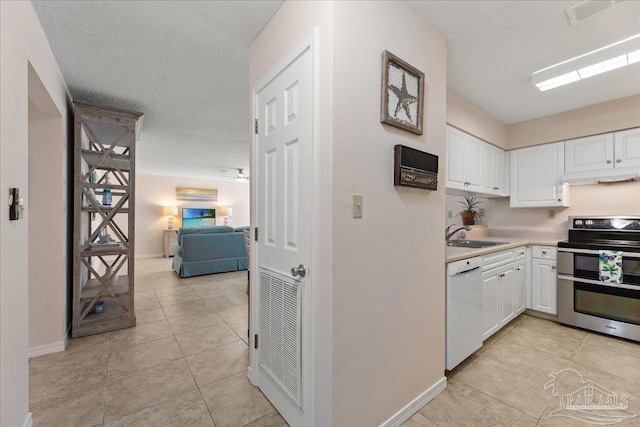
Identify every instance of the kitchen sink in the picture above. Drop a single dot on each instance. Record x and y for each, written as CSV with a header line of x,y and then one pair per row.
x,y
474,244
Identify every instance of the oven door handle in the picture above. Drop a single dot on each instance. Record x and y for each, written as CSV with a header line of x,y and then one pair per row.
x,y
597,282
596,252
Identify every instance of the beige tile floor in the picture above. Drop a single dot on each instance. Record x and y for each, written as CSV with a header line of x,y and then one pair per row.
x,y
502,384
183,364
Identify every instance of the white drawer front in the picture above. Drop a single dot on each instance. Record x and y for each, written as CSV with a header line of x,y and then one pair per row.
x,y
545,252
497,259
519,253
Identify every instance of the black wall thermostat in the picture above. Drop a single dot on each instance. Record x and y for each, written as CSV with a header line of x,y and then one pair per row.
x,y
415,168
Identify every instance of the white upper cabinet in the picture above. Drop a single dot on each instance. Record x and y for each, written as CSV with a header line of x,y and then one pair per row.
x,y
602,157
474,165
456,158
588,154
493,171
464,161
627,149
535,177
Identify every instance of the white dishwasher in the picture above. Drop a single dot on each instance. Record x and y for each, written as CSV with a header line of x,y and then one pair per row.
x,y
464,309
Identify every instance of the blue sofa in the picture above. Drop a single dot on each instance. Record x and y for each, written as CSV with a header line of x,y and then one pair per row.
x,y
208,250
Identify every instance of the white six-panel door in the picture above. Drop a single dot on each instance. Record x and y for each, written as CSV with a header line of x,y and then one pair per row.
x,y
283,174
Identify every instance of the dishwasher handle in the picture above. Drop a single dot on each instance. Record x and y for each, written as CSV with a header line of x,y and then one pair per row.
x,y
466,271
463,266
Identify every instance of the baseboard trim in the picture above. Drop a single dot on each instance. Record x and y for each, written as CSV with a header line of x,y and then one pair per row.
x,y
28,422
414,406
160,255
48,348
250,374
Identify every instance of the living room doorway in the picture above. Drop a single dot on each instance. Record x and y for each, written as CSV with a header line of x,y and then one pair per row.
x,y
47,214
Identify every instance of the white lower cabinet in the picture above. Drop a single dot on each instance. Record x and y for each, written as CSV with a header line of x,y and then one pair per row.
x,y
543,285
543,278
521,287
491,305
503,289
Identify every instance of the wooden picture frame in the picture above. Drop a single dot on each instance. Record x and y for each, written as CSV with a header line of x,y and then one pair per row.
x,y
402,102
197,194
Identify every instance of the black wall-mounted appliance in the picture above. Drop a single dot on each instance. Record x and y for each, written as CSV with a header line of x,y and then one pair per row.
x,y
415,168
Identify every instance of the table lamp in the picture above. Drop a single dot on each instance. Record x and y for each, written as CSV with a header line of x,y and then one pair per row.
x,y
226,213
170,212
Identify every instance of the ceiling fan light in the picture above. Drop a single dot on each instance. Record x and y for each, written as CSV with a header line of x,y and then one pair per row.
x,y
603,67
558,81
633,57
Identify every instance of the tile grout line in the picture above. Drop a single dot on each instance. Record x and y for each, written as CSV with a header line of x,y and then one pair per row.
x,y
544,351
106,382
551,332
498,400
195,382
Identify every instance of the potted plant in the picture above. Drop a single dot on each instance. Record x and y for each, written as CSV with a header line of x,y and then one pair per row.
x,y
469,212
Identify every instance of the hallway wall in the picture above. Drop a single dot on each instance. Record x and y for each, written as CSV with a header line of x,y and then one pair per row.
x,y
22,42
45,213
388,289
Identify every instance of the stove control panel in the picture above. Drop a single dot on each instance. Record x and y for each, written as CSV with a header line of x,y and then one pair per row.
x,y
602,223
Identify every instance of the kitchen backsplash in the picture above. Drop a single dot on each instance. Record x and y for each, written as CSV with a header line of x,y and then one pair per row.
x,y
621,198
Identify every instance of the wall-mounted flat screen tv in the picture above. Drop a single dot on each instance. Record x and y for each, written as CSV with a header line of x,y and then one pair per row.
x,y
198,217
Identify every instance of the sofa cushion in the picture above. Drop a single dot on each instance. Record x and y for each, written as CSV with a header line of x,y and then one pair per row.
x,y
177,250
203,230
244,228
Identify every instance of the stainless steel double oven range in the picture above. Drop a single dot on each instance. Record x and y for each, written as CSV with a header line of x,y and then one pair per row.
x,y
584,300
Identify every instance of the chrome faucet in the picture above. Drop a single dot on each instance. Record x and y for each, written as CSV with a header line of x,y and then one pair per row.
x,y
447,234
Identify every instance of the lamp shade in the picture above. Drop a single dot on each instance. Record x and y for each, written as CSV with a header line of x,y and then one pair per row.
x,y
170,210
225,211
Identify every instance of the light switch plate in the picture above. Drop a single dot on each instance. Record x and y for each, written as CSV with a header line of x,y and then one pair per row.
x,y
357,206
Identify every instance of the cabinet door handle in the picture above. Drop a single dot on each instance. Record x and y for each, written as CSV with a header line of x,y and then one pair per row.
x,y
609,161
553,267
618,161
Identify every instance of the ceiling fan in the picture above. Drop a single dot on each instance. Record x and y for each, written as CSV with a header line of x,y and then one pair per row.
x,y
240,176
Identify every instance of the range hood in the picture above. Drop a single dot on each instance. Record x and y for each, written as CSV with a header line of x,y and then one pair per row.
x,y
602,176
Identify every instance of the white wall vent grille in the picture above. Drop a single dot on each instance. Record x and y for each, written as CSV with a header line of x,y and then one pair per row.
x,y
280,307
588,8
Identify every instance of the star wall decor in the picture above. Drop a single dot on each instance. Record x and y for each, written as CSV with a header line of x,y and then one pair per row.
x,y
402,94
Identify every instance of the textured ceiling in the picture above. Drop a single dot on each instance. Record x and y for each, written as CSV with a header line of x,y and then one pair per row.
x,y
494,46
185,65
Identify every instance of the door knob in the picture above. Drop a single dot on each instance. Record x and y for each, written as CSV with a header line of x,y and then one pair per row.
x,y
609,161
300,270
618,161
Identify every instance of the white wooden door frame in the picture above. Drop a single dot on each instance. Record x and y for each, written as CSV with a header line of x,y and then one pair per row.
x,y
308,374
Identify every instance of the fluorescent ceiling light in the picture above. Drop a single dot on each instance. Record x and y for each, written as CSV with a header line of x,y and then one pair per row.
x,y
603,67
611,57
558,81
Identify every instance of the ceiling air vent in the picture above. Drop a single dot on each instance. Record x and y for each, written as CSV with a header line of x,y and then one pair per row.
x,y
588,8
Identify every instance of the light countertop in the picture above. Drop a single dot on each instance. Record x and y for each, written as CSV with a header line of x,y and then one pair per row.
x,y
456,254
